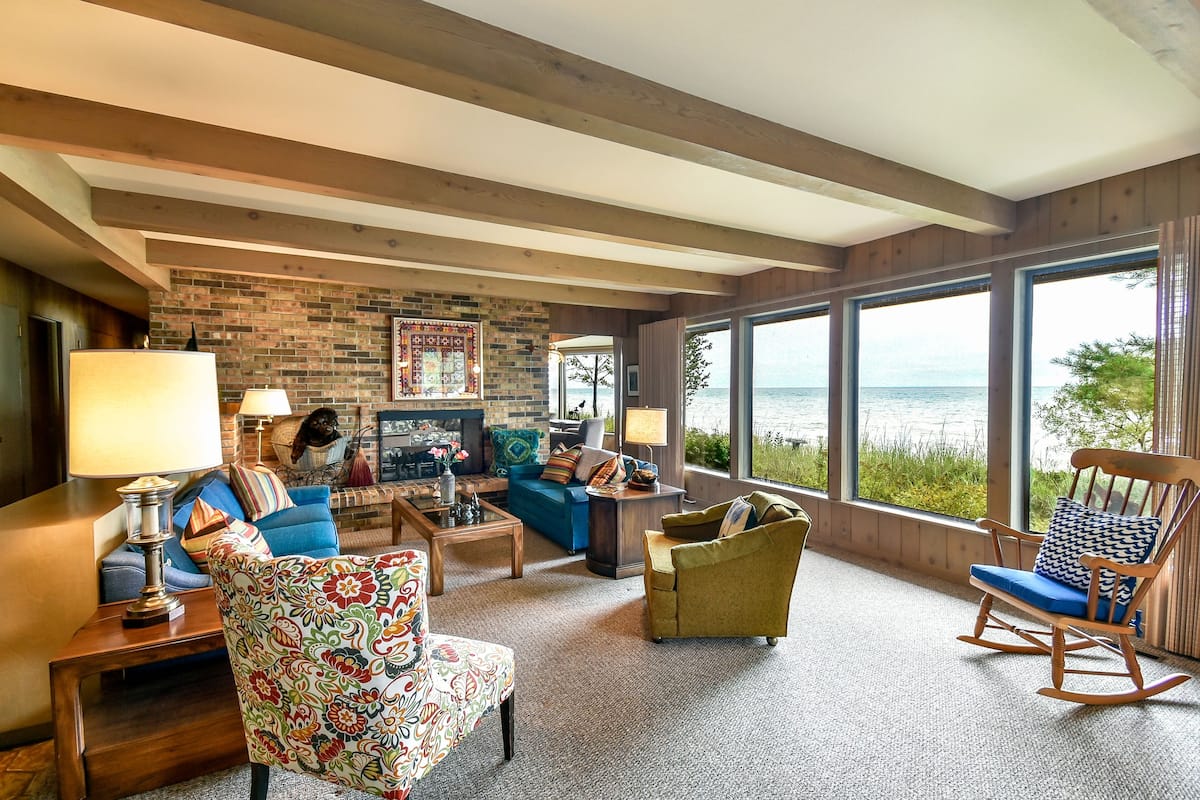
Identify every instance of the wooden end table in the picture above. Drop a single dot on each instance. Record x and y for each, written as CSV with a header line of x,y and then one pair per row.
x,y
436,527
148,728
616,522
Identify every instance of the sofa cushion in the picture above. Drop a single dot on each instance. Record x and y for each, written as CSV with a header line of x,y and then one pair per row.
x,y
207,523
610,471
215,489
560,468
589,458
738,518
512,446
1076,530
296,515
259,490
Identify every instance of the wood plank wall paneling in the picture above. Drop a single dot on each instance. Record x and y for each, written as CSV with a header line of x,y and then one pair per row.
x,y
84,323
1122,204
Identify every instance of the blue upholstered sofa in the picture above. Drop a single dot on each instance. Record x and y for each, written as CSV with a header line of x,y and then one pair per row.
x,y
560,511
307,530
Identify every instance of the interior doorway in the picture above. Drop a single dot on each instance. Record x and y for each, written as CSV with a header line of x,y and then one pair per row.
x,y
46,415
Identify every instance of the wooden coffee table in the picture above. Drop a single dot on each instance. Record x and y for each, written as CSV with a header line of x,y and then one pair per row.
x,y
437,526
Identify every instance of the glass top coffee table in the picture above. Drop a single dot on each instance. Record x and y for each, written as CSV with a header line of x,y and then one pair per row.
x,y
437,525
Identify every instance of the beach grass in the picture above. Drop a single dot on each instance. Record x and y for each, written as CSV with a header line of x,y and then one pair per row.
x,y
932,474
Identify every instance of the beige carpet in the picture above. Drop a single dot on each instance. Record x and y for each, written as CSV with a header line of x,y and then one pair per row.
x,y
869,697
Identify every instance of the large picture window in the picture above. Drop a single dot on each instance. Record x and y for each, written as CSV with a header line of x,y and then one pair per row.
x,y
921,407
789,404
706,397
1090,351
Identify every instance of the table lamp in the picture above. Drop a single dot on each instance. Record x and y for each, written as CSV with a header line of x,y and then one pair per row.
x,y
646,426
266,404
144,414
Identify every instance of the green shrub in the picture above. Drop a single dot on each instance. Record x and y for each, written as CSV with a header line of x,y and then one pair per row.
x,y
931,475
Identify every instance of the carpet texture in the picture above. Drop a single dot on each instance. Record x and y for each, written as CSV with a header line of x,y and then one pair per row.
x,y
870,696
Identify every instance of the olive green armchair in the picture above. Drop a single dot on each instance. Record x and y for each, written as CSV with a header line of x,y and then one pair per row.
x,y
700,585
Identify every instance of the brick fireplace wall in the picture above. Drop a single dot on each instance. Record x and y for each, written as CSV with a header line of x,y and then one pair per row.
x,y
330,345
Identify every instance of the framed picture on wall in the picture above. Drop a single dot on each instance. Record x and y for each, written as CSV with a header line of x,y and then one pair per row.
x,y
436,358
631,381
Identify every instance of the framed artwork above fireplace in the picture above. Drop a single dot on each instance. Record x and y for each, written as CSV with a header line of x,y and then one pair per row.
x,y
436,358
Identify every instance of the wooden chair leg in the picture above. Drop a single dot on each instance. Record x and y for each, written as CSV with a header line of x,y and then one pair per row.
x,y
1058,657
506,727
1131,662
260,776
985,608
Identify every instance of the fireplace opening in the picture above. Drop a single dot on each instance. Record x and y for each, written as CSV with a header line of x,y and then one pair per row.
x,y
405,438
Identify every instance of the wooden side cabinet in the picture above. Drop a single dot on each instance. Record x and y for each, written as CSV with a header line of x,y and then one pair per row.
x,y
146,726
616,523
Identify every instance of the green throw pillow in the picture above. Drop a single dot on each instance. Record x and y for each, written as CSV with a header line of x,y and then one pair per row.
x,y
512,446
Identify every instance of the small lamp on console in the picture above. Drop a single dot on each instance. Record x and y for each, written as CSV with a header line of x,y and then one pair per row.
x,y
266,404
144,414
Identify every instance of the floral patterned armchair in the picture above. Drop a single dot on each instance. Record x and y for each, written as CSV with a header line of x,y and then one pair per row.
x,y
337,674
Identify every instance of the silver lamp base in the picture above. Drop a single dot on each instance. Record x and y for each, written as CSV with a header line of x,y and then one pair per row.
x,y
144,503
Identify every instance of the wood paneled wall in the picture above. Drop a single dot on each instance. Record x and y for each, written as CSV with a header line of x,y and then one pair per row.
x,y
1101,217
1122,204
84,323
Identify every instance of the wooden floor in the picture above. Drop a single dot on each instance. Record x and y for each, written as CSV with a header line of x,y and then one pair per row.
x,y
27,771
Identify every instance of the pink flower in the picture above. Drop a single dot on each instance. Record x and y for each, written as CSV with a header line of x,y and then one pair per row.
x,y
462,455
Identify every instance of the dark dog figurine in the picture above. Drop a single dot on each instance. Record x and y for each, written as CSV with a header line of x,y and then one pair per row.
x,y
318,429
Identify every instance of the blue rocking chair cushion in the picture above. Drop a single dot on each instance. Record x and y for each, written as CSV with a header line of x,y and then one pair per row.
x,y
1076,530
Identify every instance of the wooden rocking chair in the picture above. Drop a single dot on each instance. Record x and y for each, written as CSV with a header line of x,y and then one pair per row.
x,y
1137,485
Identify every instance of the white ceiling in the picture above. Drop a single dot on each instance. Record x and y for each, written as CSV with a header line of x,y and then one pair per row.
x,y
1013,97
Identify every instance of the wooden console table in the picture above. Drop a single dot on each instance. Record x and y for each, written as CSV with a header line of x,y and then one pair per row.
x,y
616,522
150,727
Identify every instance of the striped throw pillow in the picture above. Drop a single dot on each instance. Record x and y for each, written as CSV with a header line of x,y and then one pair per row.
x,y
207,523
259,491
560,468
611,471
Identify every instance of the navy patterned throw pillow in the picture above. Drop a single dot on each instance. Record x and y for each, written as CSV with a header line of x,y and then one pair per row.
x,y
513,446
1077,530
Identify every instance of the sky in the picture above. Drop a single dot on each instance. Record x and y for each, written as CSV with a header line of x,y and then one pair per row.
x,y
944,342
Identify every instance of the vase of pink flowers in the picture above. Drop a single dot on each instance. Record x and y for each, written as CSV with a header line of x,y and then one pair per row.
x,y
447,457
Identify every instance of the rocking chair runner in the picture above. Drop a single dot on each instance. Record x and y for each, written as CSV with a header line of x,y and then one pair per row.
x,y
1138,485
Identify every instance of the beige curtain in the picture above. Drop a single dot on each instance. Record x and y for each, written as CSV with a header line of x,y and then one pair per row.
x,y
1173,611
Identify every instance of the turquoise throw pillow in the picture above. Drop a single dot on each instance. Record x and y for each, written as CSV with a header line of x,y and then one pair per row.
x,y
513,446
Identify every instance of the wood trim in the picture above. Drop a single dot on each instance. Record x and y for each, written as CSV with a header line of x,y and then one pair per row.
x,y
47,189
1167,30
237,223
436,50
45,121
187,255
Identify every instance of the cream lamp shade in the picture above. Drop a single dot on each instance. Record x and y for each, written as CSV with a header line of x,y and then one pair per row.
x,y
265,403
142,412
646,426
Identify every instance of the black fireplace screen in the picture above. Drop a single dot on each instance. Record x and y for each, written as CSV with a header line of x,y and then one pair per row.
x,y
405,438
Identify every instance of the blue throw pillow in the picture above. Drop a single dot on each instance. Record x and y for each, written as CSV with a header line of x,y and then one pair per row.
x,y
513,446
1077,530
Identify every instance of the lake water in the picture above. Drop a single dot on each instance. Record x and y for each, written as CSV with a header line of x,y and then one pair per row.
x,y
956,414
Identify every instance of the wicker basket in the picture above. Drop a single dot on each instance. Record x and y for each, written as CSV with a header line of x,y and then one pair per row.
x,y
313,458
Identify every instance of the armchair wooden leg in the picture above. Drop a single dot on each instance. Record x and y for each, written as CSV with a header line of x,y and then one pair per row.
x,y
506,728
260,776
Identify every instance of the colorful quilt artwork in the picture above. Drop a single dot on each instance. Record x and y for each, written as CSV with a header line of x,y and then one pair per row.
x,y
435,358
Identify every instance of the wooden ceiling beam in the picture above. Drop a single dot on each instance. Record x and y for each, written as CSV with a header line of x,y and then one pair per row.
x,y
45,121
187,255
430,48
216,221
1169,30
47,189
